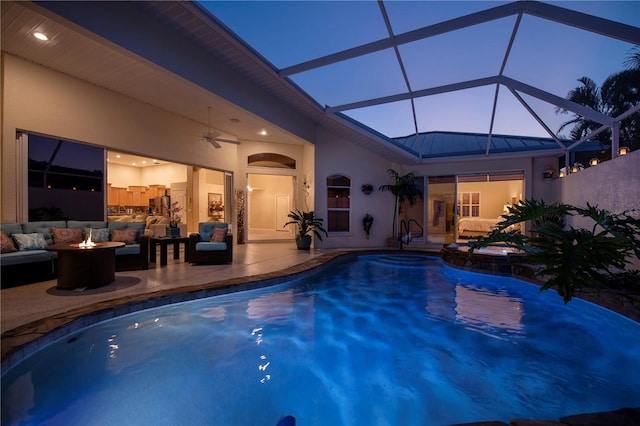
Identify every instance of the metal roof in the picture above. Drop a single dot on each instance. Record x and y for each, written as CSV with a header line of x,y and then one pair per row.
x,y
449,144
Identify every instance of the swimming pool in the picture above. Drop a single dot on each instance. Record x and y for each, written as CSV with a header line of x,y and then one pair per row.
x,y
374,339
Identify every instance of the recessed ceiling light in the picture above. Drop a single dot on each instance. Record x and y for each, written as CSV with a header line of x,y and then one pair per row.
x,y
156,162
144,162
40,36
133,164
118,156
262,132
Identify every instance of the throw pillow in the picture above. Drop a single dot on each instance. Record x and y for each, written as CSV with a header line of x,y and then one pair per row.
x,y
218,234
98,235
66,235
6,243
33,241
127,236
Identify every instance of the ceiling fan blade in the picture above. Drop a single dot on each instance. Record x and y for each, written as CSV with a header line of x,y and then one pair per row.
x,y
208,137
227,140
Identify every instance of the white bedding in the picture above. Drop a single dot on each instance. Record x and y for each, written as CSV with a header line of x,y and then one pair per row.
x,y
477,224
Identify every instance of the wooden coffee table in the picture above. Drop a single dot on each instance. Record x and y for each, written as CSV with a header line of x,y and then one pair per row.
x,y
85,267
163,242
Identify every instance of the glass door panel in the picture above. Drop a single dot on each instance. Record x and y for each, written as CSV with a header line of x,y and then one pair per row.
x,y
440,199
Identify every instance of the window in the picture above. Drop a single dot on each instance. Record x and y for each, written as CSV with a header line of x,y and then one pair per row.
x,y
66,180
338,203
469,203
269,159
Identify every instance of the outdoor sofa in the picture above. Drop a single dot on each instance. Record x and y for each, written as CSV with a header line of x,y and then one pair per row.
x,y
31,262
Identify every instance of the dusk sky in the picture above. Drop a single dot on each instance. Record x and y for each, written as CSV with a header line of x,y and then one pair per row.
x,y
545,54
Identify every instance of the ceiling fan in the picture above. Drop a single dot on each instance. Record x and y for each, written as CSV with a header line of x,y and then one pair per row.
x,y
214,138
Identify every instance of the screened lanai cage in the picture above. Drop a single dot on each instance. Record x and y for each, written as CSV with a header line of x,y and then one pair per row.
x,y
405,69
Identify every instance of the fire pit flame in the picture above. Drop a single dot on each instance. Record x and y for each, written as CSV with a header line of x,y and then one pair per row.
x,y
88,242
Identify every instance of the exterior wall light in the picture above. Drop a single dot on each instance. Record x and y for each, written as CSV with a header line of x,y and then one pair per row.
x,y
623,150
547,174
594,162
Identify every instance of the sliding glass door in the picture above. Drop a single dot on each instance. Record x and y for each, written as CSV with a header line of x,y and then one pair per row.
x,y
441,205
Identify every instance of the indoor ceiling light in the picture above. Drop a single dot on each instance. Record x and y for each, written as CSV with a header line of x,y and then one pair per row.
x,y
262,132
40,36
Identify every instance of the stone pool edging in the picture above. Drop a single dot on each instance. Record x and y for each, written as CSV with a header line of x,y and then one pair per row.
x,y
513,265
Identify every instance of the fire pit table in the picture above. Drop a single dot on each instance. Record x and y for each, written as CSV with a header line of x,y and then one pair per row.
x,y
85,267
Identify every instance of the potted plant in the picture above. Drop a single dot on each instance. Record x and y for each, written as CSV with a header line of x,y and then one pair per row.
x,y
174,217
405,190
307,223
367,188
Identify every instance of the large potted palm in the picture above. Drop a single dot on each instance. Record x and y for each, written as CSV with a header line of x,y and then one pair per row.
x,y
405,190
307,224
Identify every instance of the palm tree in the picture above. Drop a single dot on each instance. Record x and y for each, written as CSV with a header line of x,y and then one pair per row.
x,y
587,94
405,190
632,61
619,93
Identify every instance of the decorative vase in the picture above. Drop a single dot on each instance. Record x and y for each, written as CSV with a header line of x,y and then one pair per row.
x,y
173,231
303,242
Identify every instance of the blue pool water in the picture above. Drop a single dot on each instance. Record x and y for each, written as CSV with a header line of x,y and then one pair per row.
x,y
374,340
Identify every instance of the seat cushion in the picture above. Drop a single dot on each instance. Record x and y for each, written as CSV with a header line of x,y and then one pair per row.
x,y
12,228
208,246
28,256
86,224
129,249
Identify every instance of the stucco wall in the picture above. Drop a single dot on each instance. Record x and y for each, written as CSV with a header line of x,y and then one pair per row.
x,y
613,185
337,156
